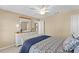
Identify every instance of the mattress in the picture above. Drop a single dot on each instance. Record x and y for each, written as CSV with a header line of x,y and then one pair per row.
x,y
49,45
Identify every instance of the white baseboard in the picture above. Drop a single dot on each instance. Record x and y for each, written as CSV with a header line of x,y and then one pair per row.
x,y
7,47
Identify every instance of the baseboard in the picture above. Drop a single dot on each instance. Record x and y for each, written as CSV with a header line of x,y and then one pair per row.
x,y
7,47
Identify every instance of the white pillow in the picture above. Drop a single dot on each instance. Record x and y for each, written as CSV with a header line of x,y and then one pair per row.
x,y
69,44
75,35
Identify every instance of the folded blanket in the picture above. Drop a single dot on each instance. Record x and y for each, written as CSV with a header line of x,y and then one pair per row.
x,y
28,43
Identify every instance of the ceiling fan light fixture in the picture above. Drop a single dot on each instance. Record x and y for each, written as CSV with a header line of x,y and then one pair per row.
x,y
42,12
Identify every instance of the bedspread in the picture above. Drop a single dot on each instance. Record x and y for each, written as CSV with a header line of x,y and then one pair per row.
x,y
50,45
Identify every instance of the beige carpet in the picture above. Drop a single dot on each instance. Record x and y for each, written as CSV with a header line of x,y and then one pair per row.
x,y
13,49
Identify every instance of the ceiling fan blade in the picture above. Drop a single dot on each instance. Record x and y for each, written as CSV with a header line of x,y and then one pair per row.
x,y
32,8
43,6
49,7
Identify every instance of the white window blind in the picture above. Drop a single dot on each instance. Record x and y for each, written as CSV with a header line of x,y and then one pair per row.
x,y
75,24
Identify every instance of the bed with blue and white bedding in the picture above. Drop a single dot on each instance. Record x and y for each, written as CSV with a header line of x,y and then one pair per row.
x,y
48,44
41,44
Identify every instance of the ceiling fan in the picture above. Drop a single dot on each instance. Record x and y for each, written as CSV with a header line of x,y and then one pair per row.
x,y
41,9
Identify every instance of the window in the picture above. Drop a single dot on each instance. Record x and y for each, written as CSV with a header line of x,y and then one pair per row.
x,y
75,24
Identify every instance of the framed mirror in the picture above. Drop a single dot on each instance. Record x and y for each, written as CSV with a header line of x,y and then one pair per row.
x,y
27,25
23,25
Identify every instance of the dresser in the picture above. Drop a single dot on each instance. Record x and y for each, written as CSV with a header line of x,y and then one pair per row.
x,y
21,37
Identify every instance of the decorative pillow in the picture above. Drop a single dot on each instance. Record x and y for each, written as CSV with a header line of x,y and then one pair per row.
x,y
76,50
69,44
76,36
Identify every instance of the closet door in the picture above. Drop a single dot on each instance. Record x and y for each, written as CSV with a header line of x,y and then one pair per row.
x,y
75,24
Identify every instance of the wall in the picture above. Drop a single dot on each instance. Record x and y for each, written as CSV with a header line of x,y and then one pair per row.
x,y
59,25
8,28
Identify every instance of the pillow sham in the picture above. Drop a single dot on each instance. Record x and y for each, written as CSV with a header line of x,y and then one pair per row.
x,y
76,50
76,36
70,44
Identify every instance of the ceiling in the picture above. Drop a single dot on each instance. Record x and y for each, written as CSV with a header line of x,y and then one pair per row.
x,y
30,10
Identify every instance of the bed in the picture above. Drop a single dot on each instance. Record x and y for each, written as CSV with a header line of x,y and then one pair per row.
x,y
42,44
48,44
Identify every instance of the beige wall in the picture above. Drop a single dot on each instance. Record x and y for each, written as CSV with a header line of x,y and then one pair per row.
x,y
59,25
8,28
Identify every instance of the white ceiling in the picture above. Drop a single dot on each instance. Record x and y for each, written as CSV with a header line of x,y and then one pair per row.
x,y
30,9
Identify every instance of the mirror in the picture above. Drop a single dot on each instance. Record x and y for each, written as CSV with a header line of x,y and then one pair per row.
x,y
27,25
